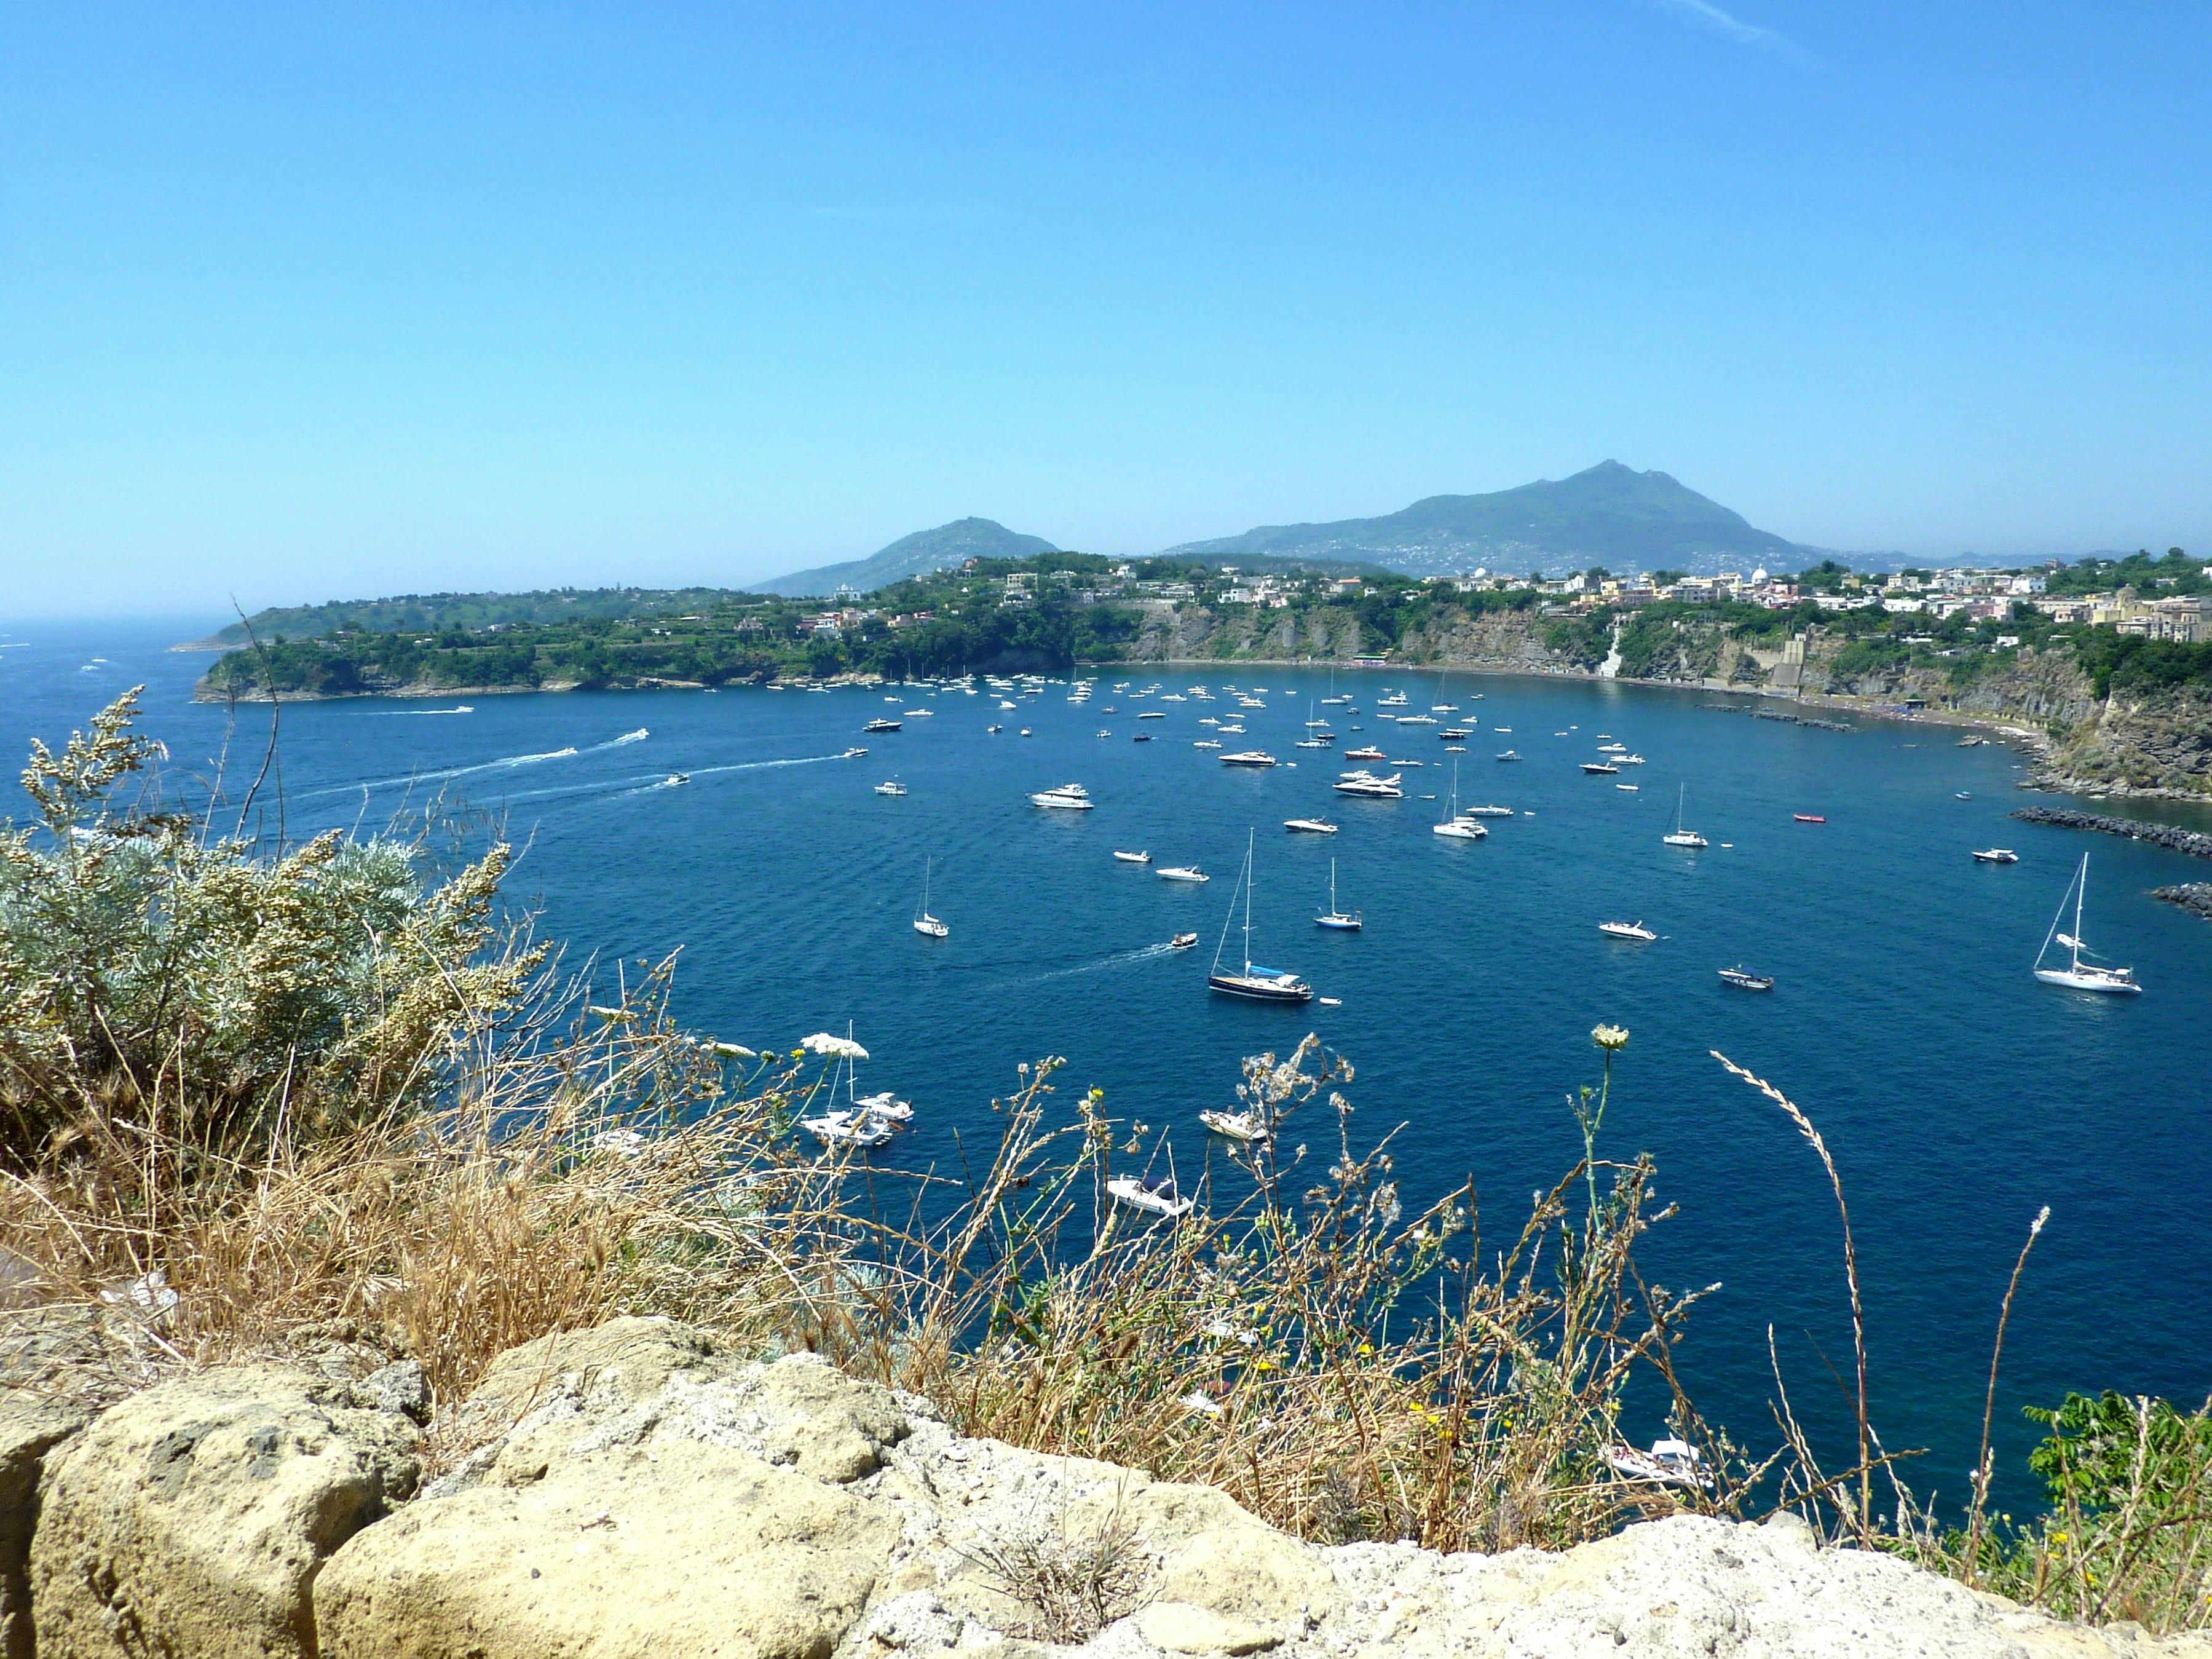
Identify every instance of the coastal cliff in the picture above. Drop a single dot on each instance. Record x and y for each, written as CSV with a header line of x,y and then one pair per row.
x,y
644,1487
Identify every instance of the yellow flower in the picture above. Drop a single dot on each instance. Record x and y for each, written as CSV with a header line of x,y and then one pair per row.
x,y
1609,1037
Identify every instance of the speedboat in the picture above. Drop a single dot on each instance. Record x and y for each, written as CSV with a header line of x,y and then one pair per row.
x,y
1068,797
1668,1464
1249,1126
881,726
886,1106
1132,858
1635,930
1370,752
892,787
1256,757
1996,855
853,754
1486,812
675,778
1965,794
1189,872
1153,1195
1205,743
1744,980
1182,941
1454,734
1309,826
1808,817
1510,755
1600,769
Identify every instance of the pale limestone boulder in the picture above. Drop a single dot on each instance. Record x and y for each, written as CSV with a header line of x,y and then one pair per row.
x,y
191,1518
664,1551
31,1426
1184,1627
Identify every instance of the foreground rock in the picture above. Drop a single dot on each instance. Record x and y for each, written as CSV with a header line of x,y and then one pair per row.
x,y
641,1491
191,1518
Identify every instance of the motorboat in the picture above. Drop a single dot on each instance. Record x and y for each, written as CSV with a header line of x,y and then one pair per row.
x,y
1254,757
1679,837
1454,734
1152,1195
1334,918
1205,743
924,923
1668,1464
1963,794
891,786
1601,768
1630,787
1808,817
1510,755
1635,930
853,754
1255,984
675,778
1068,797
1248,1126
1996,855
1370,753
1745,980
887,1107
2077,974
1309,826
1486,812
1132,858
1630,760
1320,740
1151,715
1182,941
1368,786
849,1129
881,725
1189,872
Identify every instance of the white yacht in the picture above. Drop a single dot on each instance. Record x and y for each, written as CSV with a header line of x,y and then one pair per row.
x,y
1995,855
1246,1125
1255,757
1132,858
1454,827
891,787
1486,812
1677,836
1365,783
1309,826
1600,769
924,923
1153,1195
1255,984
2077,974
1068,797
1189,872
1635,930
1334,918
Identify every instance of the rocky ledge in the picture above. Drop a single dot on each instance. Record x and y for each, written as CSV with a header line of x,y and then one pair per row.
x,y
637,1490
2192,842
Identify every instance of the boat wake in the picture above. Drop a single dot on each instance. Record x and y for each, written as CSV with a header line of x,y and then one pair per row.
x,y
445,773
1118,959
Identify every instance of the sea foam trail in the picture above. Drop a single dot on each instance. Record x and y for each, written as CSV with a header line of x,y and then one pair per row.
x,y
504,763
1119,959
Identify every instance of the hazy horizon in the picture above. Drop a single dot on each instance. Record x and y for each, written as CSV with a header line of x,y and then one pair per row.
x,y
311,307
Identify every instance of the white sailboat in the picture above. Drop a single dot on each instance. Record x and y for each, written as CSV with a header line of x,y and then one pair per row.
x,y
1255,984
1679,837
924,923
1455,828
1333,917
2077,974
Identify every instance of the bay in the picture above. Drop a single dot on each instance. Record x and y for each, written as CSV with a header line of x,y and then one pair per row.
x,y
1957,1094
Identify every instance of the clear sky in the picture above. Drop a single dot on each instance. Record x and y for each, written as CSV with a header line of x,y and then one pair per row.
x,y
318,301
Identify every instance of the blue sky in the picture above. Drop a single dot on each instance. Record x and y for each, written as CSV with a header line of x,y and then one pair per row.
x,y
318,301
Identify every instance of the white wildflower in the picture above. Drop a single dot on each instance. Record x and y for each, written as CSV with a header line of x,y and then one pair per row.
x,y
823,1043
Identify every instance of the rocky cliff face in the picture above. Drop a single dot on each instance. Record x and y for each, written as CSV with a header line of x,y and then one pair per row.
x,y
638,1490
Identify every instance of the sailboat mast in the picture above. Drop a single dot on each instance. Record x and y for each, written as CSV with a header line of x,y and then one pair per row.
x,y
2080,892
1251,840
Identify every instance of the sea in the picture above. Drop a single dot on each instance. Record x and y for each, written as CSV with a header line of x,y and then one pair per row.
x,y
1957,1094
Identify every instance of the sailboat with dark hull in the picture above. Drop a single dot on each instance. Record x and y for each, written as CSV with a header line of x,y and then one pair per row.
x,y
1255,984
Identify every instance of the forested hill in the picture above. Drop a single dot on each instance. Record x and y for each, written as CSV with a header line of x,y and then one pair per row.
x,y
406,613
1609,515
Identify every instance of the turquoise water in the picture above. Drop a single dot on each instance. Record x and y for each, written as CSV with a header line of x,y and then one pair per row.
x,y
1957,1094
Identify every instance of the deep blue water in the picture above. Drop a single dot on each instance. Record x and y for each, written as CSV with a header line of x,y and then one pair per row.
x,y
1957,1094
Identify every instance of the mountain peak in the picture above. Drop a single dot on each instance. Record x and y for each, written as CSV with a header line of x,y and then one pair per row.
x,y
921,554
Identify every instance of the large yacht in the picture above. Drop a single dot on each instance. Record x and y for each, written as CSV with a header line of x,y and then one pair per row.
x,y
1068,797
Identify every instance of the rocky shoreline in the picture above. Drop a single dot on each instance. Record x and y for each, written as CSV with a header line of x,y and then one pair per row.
x,y
641,1488
2196,844
2191,896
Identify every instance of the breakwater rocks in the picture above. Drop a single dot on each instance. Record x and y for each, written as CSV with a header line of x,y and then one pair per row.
x,y
2196,845
639,1489
2195,895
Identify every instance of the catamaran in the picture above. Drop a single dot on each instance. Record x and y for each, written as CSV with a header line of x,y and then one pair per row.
x,y
1454,827
1256,983
2077,974
1333,917
1679,837
924,923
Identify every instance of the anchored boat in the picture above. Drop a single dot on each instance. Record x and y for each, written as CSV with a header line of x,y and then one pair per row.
x,y
1255,984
